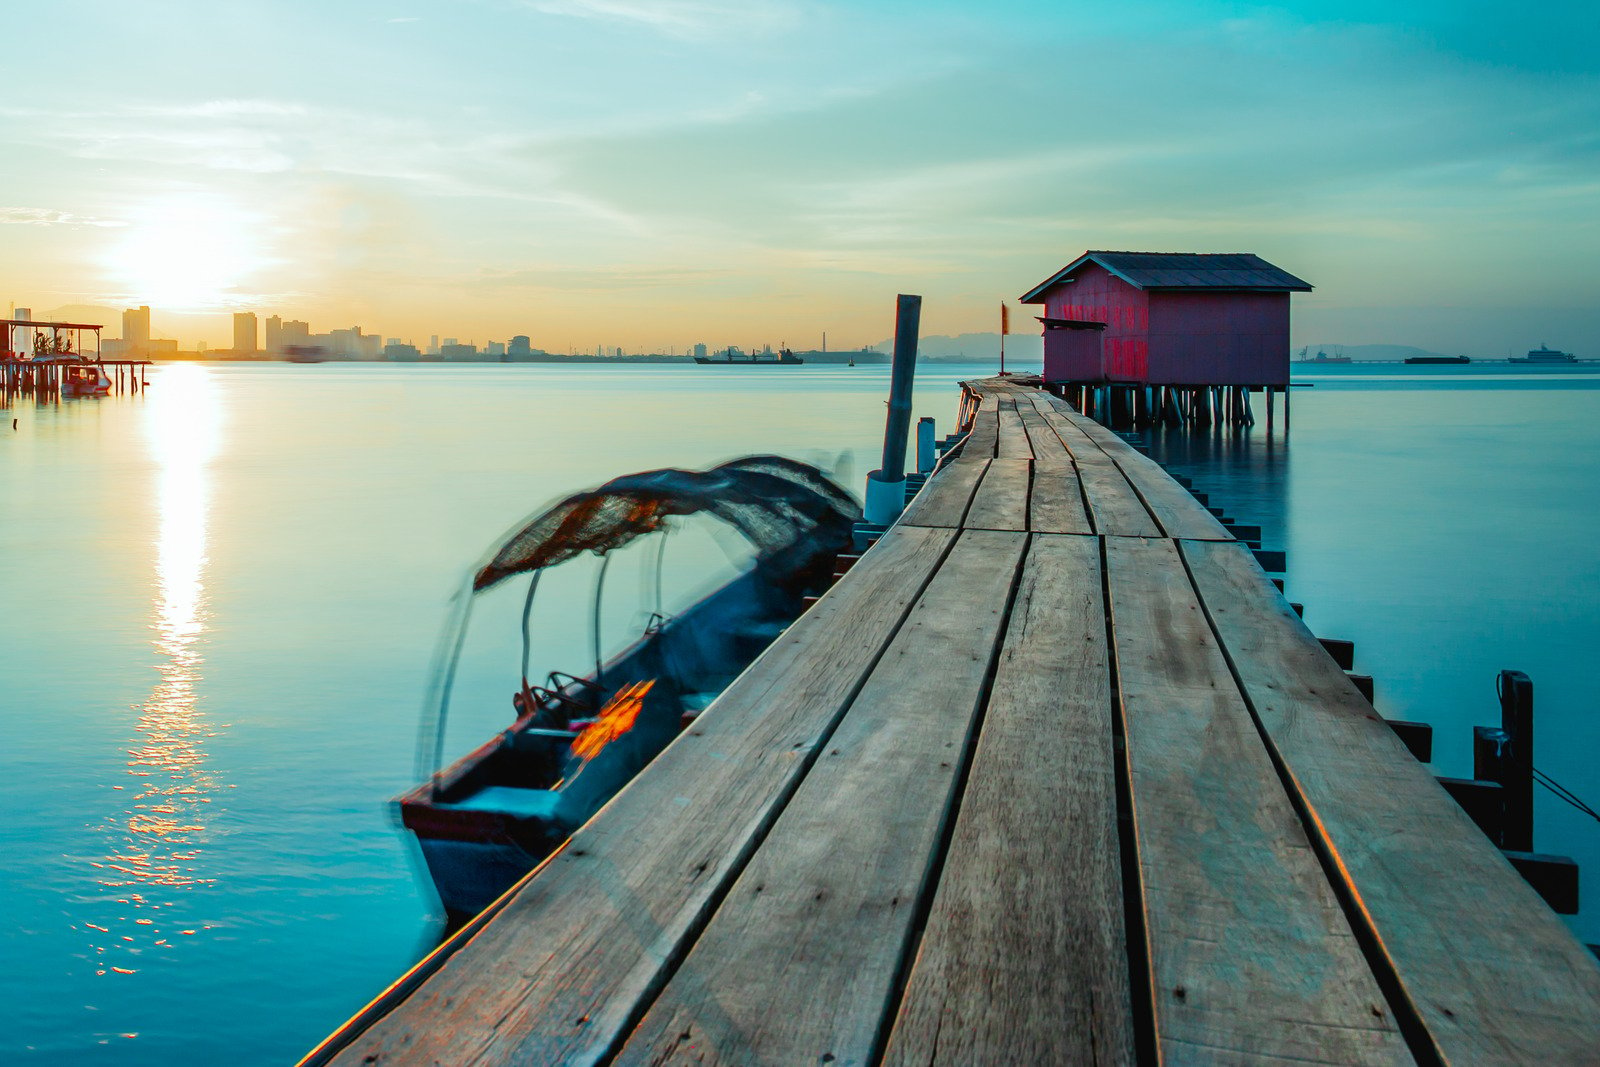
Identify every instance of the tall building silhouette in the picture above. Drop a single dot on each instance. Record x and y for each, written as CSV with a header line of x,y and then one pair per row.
x,y
136,330
245,336
274,341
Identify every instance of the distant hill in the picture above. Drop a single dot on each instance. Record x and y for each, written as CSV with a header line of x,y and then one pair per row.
x,y
973,347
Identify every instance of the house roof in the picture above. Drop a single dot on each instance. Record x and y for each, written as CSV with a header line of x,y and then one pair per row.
x,y
1236,271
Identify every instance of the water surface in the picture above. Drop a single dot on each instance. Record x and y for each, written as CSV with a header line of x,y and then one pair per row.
x,y
222,597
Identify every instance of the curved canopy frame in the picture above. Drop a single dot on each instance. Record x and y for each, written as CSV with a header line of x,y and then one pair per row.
x,y
774,502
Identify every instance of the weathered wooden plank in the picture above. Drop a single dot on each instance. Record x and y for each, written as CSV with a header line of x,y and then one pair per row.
x,y
1493,974
559,975
944,498
1251,958
1174,507
1056,502
1013,442
1048,451
1001,502
983,439
799,962
1024,958
1115,508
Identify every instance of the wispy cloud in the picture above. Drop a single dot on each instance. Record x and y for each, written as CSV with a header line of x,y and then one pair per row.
x,y
680,18
39,216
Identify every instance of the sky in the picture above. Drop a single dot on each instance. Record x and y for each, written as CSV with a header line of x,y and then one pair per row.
x,y
652,173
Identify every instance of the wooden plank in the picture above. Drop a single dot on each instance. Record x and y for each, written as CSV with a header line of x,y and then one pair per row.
x,y
799,962
1013,435
1048,451
1056,503
1024,958
983,438
561,973
1251,958
1115,508
1177,512
1173,506
1492,973
944,498
1001,502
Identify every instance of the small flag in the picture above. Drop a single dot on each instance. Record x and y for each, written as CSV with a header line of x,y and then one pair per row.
x,y
1005,319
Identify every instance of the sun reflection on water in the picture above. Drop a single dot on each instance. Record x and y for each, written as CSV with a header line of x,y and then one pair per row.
x,y
157,841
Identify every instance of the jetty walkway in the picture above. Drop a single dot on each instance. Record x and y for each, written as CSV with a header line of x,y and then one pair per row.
x,y
1052,775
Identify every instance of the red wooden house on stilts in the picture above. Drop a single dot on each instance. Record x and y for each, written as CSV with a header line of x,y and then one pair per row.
x,y
1138,336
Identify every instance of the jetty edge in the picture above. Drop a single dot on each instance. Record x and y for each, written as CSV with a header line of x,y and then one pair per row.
x,y
1052,774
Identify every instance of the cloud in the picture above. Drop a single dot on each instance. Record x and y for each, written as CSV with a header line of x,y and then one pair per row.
x,y
680,18
38,216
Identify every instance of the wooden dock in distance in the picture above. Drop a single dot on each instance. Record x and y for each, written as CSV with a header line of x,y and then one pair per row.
x,y
1052,775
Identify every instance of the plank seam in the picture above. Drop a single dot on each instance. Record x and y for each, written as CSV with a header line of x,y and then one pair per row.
x,y
1141,980
1407,1017
952,814
670,965
1083,490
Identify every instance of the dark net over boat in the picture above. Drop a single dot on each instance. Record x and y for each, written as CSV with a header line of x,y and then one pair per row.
x,y
776,503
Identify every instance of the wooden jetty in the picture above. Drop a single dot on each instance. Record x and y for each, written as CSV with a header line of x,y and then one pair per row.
x,y
1053,774
46,379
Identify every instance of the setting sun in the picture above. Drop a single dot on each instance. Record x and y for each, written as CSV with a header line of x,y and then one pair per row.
x,y
186,254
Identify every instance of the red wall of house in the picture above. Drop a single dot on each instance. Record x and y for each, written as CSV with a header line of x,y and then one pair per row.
x,y
1073,356
1100,296
1199,338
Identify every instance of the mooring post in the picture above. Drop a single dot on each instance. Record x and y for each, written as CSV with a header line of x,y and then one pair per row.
x,y
886,486
925,450
1516,719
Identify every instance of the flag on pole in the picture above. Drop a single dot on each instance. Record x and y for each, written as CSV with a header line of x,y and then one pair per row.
x,y
1005,319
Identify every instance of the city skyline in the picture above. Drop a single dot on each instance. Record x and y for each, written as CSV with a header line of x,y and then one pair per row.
x,y
657,168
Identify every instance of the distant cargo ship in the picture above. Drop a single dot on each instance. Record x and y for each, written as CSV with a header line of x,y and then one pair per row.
x,y
1545,355
1438,359
735,357
1322,357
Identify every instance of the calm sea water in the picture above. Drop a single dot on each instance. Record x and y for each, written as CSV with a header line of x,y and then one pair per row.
x,y
222,597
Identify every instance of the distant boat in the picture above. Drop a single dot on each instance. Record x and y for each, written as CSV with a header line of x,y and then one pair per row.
x,y
305,354
1545,355
1322,357
732,356
1438,359
84,379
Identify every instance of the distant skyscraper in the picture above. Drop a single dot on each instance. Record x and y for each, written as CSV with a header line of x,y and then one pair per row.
x,y
433,345
274,343
294,332
136,330
519,346
245,337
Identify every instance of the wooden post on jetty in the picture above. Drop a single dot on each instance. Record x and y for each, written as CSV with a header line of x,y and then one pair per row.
x,y
886,486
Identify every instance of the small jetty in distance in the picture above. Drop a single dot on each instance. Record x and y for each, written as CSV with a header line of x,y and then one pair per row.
x,y
58,365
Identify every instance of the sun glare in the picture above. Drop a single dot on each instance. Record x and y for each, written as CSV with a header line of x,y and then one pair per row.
x,y
186,254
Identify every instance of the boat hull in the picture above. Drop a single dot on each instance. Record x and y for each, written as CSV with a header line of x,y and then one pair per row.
x,y
496,813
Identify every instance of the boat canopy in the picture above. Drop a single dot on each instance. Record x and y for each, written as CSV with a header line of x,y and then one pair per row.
x,y
776,503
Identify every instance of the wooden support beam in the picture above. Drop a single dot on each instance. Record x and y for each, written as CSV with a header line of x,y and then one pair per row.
x,y
1416,736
